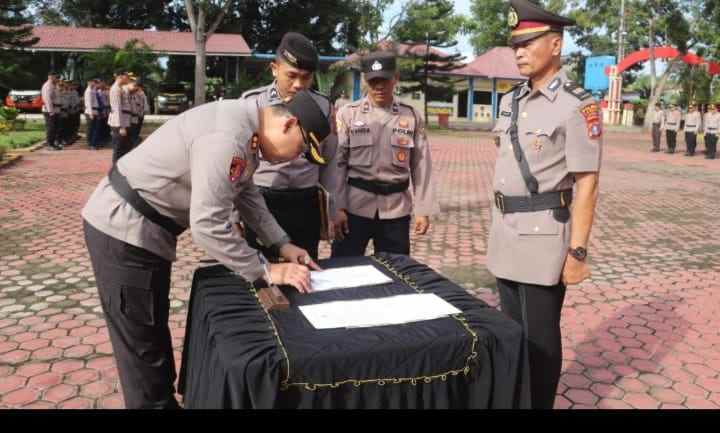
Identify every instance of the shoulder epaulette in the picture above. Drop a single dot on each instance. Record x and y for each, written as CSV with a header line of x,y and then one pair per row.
x,y
252,92
577,90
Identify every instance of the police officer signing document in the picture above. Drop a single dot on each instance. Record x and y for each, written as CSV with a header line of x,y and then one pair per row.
x,y
290,189
384,162
550,140
189,174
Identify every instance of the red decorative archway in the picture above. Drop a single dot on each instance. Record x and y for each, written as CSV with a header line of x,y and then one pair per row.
x,y
665,53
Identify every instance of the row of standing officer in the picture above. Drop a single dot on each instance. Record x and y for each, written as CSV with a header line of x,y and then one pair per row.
x,y
61,108
695,123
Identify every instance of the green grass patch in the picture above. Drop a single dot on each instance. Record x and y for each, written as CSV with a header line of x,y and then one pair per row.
x,y
20,139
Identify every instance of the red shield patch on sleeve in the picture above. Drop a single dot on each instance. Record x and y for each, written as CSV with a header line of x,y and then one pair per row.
x,y
237,167
593,120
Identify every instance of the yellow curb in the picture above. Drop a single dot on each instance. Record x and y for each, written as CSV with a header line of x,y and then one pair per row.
x,y
9,159
37,146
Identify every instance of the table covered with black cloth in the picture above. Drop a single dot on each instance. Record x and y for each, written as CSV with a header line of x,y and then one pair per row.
x,y
238,356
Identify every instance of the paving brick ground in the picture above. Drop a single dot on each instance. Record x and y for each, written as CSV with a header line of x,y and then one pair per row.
x,y
643,333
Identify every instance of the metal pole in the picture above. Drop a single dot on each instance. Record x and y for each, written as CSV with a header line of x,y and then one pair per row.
x,y
621,33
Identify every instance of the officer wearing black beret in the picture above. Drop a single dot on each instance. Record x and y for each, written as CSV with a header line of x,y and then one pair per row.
x,y
293,190
550,132
188,175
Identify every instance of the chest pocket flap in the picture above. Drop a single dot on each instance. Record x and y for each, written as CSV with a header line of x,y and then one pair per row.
x,y
360,145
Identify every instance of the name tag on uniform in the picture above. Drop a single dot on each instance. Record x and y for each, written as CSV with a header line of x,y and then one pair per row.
x,y
506,114
403,131
360,131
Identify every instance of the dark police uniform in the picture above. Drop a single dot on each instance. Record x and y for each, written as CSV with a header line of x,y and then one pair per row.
x,y
291,189
545,136
385,164
187,174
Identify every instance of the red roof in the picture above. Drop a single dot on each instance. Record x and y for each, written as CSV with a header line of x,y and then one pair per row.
x,y
57,38
495,63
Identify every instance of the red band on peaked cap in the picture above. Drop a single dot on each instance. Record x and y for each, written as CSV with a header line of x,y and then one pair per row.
x,y
523,25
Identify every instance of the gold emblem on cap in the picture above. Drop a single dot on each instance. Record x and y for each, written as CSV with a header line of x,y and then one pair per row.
x,y
377,66
513,19
290,57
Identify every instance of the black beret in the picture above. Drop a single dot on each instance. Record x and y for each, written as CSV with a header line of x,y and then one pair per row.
x,y
313,122
298,51
528,20
379,64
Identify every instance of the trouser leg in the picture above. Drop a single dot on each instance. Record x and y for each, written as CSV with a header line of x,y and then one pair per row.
x,y
392,235
656,137
50,129
538,309
134,286
355,243
121,144
671,135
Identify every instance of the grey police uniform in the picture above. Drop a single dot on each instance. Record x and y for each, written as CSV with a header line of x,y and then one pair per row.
x,y
672,126
119,118
711,126
531,247
658,118
190,172
693,125
50,110
384,162
290,188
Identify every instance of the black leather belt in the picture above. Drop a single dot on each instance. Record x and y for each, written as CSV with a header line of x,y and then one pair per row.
x,y
381,188
534,203
123,188
300,194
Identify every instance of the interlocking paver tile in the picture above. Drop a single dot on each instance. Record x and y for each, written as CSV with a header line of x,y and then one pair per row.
x,y
643,330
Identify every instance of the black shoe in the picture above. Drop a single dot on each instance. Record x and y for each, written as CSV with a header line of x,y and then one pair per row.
x,y
669,152
655,150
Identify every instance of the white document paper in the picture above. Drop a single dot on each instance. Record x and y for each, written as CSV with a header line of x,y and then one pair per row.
x,y
343,278
391,310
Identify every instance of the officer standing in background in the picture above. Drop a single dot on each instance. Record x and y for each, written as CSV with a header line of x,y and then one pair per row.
x,y
672,126
92,113
189,174
135,110
383,150
50,110
103,96
693,125
711,124
658,120
119,119
550,132
75,109
64,120
290,189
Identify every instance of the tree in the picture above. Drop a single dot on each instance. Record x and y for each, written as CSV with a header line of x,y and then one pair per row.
x,y
429,24
134,56
125,14
199,15
488,25
15,33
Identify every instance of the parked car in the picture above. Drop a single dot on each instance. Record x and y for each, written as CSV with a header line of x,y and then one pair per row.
x,y
171,98
25,100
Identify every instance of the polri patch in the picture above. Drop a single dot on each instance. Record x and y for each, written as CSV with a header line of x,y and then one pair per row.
x,y
237,168
593,121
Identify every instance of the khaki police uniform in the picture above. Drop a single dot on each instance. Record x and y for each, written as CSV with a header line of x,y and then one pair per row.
x,y
382,149
672,126
64,127
290,188
191,171
50,111
711,126
693,125
92,115
658,118
119,118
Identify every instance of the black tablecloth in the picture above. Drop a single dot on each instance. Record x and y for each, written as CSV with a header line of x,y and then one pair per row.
x,y
238,356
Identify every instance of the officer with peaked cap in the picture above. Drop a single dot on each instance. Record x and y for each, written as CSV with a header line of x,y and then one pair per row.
x,y
550,135
51,110
693,125
119,119
673,119
292,189
188,175
385,167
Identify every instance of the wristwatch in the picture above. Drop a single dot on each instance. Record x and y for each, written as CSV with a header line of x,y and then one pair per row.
x,y
579,253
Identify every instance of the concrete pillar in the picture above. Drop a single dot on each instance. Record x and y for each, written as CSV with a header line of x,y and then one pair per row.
x,y
471,99
494,99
